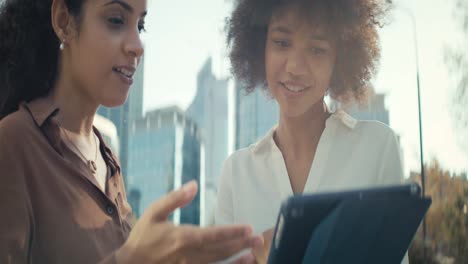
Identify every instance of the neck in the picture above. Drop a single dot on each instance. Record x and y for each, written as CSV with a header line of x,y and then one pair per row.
x,y
77,110
299,135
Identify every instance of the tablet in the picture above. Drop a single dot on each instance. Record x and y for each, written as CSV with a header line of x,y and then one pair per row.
x,y
373,225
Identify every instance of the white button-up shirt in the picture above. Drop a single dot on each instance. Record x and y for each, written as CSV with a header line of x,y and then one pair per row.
x,y
350,154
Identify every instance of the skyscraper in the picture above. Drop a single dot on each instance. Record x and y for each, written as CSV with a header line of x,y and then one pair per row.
x,y
123,115
256,114
165,149
209,109
374,110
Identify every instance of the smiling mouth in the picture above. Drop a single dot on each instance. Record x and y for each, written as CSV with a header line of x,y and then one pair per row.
x,y
294,88
124,72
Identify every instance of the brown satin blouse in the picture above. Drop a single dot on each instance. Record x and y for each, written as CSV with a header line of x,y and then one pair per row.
x,y
52,210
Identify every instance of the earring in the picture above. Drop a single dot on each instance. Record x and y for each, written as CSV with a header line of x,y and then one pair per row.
x,y
62,45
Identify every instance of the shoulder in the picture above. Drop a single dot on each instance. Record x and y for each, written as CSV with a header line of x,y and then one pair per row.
x,y
256,150
239,156
348,123
367,134
374,129
373,135
16,133
379,137
15,127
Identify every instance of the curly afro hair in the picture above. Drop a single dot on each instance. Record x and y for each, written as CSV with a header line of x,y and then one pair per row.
x,y
352,23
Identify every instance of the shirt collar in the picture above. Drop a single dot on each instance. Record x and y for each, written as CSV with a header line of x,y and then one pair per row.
x,y
345,119
337,117
43,111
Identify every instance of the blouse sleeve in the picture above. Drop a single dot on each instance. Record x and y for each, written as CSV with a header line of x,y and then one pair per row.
x,y
391,169
224,206
15,222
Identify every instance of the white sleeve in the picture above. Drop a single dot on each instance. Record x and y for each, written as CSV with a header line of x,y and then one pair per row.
x,y
224,214
224,205
391,168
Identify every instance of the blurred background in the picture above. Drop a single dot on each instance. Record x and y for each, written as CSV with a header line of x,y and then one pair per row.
x,y
185,114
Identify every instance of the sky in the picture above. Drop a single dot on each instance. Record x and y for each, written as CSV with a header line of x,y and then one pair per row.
x,y
181,35
436,31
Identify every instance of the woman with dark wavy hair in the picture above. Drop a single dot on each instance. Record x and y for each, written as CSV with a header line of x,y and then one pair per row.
x,y
62,196
299,51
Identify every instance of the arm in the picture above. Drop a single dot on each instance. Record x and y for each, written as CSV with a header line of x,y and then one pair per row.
x,y
16,220
391,168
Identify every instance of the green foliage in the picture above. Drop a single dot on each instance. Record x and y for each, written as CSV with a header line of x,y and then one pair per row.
x,y
446,220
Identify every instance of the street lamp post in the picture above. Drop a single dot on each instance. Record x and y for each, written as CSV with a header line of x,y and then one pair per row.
x,y
423,178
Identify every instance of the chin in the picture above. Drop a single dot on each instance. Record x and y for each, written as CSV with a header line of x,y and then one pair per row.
x,y
293,111
298,110
114,102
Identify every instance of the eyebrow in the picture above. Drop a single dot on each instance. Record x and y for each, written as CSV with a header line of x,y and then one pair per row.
x,y
281,29
125,6
285,30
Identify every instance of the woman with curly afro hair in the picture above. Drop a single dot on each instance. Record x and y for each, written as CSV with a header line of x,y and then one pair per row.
x,y
62,196
300,51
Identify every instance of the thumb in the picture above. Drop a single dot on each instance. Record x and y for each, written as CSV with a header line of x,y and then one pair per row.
x,y
259,247
268,234
162,208
268,238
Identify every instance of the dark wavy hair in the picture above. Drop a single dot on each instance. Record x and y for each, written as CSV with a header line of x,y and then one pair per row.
x,y
352,24
29,50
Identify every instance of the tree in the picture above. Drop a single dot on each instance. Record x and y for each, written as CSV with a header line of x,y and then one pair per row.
x,y
447,219
457,60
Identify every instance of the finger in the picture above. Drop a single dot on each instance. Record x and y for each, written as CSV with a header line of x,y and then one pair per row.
x,y
194,236
248,258
259,252
161,209
268,238
223,242
225,249
224,233
260,246
268,235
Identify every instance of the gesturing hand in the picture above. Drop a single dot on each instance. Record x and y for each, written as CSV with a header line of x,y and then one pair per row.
x,y
156,240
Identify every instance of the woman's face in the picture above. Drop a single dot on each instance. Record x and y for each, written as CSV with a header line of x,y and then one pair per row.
x,y
104,53
299,62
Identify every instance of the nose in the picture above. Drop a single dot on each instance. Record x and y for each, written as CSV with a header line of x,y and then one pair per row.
x,y
296,63
133,45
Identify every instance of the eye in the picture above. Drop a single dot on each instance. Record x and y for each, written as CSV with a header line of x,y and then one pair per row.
x,y
318,51
141,27
115,20
281,43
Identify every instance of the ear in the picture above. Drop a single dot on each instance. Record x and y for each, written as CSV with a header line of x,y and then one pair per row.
x,y
61,20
